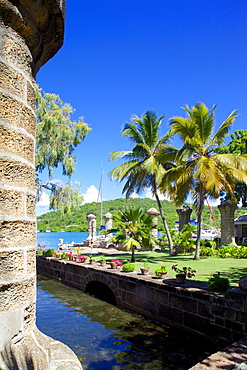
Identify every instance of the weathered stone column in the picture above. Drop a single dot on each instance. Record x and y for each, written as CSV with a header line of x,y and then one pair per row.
x,y
228,231
184,213
108,223
153,212
31,32
91,221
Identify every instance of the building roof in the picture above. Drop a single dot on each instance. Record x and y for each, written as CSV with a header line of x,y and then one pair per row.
x,y
241,219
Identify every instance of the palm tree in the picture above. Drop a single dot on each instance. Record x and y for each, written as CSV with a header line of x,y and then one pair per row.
x,y
142,168
133,230
199,168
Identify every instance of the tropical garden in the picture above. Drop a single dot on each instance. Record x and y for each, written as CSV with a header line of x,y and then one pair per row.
x,y
199,168
202,168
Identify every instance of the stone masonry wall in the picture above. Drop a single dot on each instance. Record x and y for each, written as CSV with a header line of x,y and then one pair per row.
x,y
17,189
31,32
221,317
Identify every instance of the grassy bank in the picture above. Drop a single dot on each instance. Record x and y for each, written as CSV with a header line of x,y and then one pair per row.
x,y
231,268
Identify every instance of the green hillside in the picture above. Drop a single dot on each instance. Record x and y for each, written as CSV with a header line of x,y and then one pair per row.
x,y
77,220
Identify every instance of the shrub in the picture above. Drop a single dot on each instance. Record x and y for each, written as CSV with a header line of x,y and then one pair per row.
x,y
218,284
206,251
49,252
63,256
128,267
224,252
160,271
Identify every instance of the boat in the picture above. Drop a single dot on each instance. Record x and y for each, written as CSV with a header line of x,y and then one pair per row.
x,y
210,234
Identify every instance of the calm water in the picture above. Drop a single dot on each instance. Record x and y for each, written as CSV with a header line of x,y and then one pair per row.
x,y
51,240
105,337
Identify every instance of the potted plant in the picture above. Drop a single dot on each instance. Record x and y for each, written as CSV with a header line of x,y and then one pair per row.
x,y
91,258
115,263
82,258
102,260
161,272
145,269
182,274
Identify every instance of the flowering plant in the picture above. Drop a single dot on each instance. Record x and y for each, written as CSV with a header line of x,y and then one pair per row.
x,y
69,254
117,261
83,257
40,247
187,271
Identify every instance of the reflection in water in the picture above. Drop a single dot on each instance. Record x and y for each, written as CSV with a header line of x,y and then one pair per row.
x,y
107,338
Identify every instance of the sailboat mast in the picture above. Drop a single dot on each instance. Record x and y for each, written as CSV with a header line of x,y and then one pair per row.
x,y
101,201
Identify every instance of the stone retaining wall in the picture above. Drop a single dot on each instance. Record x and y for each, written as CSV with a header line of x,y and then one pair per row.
x,y
221,317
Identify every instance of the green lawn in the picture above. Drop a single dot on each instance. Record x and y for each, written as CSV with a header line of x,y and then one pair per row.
x,y
205,267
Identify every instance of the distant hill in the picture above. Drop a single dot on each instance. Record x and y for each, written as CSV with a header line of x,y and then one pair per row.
x,y
77,220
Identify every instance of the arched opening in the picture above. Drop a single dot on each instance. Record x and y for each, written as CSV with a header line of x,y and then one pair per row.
x,y
101,291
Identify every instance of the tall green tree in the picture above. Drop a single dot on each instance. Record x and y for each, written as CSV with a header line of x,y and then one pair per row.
x,y
238,144
132,228
56,138
141,168
199,169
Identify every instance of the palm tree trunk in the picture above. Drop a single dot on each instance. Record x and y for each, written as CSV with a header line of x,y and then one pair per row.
x,y
133,254
170,243
199,226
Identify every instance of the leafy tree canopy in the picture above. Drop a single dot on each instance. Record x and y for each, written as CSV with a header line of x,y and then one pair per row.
x,y
238,144
56,138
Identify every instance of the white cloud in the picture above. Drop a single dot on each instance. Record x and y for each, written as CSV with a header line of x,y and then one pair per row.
x,y
91,195
44,201
150,195
43,205
134,195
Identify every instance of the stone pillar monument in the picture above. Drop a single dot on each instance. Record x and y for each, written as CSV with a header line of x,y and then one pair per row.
x,y
184,213
228,232
31,32
153,212
108,223
91,220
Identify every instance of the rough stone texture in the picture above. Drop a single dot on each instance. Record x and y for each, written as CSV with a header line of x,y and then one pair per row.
x,y
17,233
12,202
17,294
31,261
30,33
19,115
11,80
11,265
228,231
17,54
184,216
17,174
232,357
29,317
14,142
191,306
36,351
40,23
30,206
31,96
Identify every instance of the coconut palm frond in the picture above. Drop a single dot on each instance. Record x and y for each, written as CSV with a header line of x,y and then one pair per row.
x,y
120,154
220,135
183,127
204,120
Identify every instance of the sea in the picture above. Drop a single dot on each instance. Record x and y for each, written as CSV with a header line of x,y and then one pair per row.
x,y
103,336
51,240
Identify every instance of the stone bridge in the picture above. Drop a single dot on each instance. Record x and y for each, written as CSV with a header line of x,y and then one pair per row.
x,y
220,317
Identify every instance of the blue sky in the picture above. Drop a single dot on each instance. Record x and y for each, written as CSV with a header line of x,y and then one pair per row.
x,y
124,57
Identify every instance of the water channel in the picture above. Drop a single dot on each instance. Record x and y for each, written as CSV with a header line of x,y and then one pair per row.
x,y
105,337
